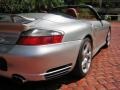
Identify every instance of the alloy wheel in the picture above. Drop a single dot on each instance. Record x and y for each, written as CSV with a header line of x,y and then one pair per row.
x,y
87,56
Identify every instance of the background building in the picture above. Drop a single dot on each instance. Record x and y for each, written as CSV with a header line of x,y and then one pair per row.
x,y
106,7
111,6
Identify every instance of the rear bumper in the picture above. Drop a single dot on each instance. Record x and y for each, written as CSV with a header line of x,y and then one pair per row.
x,y
40,62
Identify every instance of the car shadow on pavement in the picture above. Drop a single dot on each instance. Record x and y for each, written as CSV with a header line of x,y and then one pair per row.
x,y
7,84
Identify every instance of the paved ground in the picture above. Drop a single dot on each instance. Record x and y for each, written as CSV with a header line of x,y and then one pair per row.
x,y
104,75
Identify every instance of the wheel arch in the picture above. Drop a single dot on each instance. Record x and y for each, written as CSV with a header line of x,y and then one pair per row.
x,y
90,37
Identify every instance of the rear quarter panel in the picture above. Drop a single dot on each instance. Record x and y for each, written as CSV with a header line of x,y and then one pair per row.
x,y
76,31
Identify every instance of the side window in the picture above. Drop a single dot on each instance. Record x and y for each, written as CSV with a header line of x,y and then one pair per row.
x,y
85,13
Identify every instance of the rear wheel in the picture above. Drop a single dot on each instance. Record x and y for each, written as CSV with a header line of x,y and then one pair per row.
x,y
84,59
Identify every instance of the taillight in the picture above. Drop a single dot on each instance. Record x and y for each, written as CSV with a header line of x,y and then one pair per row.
x,y
40,40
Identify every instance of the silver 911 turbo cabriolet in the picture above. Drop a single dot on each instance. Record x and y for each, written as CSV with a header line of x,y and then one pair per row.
x,y
43,46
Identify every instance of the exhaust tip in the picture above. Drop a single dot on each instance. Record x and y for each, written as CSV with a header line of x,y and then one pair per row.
x,y
18,79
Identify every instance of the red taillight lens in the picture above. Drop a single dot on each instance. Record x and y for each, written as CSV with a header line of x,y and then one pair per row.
x,y
39,40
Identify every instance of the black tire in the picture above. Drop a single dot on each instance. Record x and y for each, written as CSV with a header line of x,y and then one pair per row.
x,y
78,71
108,39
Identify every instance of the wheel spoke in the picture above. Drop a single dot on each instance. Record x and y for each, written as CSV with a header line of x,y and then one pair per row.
x,y
85,51
89,54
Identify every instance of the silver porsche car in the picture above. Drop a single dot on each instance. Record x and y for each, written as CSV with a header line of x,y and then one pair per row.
x,y
43,46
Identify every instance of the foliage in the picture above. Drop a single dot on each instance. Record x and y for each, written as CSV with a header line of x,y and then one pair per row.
x,y
20,6
79,2
13,6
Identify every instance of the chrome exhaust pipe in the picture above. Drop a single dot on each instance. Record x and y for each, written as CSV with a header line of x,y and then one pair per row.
x,y
18,79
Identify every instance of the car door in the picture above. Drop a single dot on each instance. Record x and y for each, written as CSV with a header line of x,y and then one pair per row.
x,y
99,32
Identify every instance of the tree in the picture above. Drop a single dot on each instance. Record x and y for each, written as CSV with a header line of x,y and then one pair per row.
x,y
74,2
13,6
100,3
